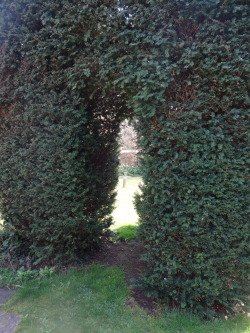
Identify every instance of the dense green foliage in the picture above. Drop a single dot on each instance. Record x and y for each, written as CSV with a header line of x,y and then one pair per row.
x,y
58,146
193,208
182,67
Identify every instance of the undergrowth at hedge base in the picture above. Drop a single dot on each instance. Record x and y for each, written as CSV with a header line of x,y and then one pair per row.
x,y
12,278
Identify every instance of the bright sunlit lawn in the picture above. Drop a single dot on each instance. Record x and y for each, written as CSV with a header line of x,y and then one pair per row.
x,y
125,212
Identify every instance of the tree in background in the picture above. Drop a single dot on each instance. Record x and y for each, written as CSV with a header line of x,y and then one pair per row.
x,y
128,136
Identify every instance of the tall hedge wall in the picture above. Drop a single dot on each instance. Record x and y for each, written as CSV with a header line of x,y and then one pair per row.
x,y
58,151
184,66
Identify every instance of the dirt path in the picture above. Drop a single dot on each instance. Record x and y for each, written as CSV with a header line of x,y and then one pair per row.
x,y
8,321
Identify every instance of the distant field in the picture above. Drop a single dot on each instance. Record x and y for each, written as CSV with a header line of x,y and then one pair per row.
x,y
124,212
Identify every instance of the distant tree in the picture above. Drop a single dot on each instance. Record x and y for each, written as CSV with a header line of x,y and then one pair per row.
x,y
128,136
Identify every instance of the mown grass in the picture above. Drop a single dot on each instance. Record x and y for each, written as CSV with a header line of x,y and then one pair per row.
x,y
125,213
94,301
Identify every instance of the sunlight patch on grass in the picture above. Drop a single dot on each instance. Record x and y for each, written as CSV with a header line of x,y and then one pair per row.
x,y
125,213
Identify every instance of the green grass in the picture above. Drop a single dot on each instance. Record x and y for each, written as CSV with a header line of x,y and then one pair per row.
x,y
124,212
8,277
94,301
126,232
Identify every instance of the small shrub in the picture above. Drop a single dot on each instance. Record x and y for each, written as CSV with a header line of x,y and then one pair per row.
x,y
7,277
12,277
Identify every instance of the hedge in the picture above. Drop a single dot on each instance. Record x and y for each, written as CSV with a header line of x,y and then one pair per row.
x,y
72,69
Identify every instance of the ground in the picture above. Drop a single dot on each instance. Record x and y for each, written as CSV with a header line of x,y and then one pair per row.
x,y
128,257
95,299
8,322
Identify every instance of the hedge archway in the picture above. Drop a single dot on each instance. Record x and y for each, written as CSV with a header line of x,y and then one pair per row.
x,y
70,73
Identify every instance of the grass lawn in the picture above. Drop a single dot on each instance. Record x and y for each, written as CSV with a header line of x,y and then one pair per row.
x,y
94,301
124,212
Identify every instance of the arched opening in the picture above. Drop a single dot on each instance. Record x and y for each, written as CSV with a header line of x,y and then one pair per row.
x,y
129,177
